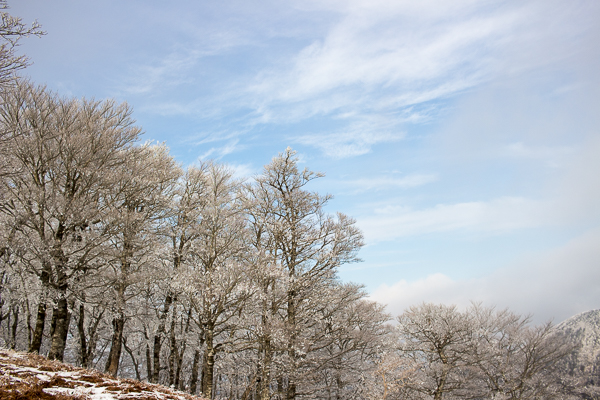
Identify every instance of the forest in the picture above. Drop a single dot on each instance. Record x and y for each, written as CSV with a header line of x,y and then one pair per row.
x,y
115,257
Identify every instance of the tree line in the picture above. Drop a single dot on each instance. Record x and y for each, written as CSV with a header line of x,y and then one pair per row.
x,y
115,257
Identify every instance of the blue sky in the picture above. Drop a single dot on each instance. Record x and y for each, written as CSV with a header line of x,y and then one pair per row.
x,y
463,136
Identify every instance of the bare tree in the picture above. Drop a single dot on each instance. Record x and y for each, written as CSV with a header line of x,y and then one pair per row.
x,y
436,339
480,353
307,244
62,151
349,339
514,360
139,200
12,30
216,266
181,229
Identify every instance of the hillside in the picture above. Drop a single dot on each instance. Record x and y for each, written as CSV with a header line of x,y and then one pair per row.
x,y
582,367
28,376
584,329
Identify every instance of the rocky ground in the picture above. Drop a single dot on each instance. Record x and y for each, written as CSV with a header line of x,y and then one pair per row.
x,y
28,376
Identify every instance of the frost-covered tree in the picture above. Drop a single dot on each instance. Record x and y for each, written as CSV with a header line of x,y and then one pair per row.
x,y
512,359
215,274
12,30
179,230
436,338
479,353
61,152
305,242
349,339
139,200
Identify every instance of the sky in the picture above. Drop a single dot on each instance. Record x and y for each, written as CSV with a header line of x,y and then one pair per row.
x,y
463,136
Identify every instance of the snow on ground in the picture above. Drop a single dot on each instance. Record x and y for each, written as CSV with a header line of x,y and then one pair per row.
x,y
29,376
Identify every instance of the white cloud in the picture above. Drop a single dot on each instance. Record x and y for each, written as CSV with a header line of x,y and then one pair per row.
x,y
170,71
390,182
555,284
347,144
382,44
220,152
381,57
360,135
242,171
500,215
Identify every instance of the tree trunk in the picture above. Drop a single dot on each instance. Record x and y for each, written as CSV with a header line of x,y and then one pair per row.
x,y
280,387
61,328
158,338
340,385
133,360
266,371
83,350
439,391
291,315
209,364
194,380
40,322
15,322
173,352
114,356
148,357
178,383
148,363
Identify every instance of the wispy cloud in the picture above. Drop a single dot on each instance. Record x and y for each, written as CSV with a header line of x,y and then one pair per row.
x,y
390,182
379,47
359,136
170,71
221,151
347,144
504,214
384,57
243,171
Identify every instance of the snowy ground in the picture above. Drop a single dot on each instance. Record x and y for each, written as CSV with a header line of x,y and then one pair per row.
x,y
27,376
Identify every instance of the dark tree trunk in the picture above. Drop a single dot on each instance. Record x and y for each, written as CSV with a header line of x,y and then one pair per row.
x,y
38,333
61,317
40,322
291,391
15,322
173,353
88,347
266,371
148,357
208,364
291,315
133,359
178,383
29,327
61,328
53,321
158,339
114,356
194,380
280,387
148,363
82,340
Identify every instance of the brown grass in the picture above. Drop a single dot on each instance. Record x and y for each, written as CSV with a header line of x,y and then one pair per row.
x,y
17,384
33,390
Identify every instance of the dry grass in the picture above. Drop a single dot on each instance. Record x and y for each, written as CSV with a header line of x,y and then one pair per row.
x,y
30,376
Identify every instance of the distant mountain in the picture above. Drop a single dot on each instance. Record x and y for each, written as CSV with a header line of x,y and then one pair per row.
x,y
582,367
584,329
